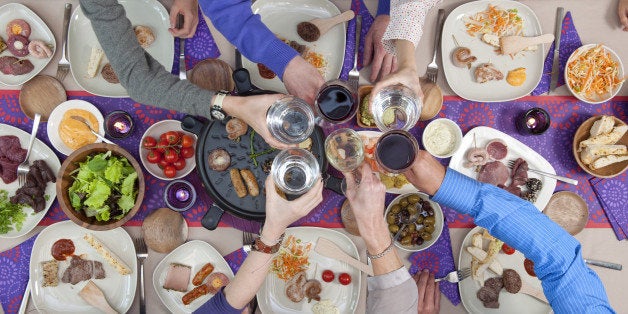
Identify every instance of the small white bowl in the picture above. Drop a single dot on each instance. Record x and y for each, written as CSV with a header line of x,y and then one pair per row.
x,y
155,131
439,221
430,138
54,122
582,50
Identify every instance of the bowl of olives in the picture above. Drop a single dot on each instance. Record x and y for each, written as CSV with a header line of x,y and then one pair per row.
x,y
421,233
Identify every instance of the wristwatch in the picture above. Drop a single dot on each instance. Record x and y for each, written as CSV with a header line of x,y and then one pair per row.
x,y
216,111
260,246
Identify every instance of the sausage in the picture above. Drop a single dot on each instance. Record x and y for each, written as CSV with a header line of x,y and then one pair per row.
x,y
202,274
195,294
462,57
236,180
251,181
39,49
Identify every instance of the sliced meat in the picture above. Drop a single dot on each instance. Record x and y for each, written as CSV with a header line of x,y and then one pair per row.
x,y
22,67
312,289
18,27
18,45
487,72
8,170
497,149
512,280
494,173
519,172
5,64
236,128
177,277
491,305
81,270
294,287
512,189
219,159
494,283
216,281
39,49
46,172
486,294
476,157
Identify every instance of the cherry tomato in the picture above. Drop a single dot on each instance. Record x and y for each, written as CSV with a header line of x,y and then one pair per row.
x,y
187,152
328,275
170,155
179,164
529,266
344,279
162,137
161,146
149,142
172,137
507,249
162,164
170,171
153,157
187,141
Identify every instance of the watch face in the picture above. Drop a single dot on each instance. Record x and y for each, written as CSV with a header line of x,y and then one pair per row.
x,y
218,115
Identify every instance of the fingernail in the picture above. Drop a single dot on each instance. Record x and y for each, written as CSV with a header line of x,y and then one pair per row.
x,y
425,270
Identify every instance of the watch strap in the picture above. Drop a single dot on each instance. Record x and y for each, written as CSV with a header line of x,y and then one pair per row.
x,y
216,109
260,246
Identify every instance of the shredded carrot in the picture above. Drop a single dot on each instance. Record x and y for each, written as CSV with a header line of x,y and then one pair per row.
x,y
292,258
593,74
495,21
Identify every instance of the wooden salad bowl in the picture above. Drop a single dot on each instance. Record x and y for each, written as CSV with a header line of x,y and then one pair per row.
x,y
65,181
582,134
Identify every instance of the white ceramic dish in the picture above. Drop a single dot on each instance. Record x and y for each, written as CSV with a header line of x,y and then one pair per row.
x,y
39,30
195,253
461,80
39,151
155,131
438,224
516,149
282,18
408,187
508,303
272,298
615,57
56,115
431,128
81,39
118,289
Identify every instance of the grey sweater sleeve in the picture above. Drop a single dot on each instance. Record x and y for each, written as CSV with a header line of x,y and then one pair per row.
x,y
144,78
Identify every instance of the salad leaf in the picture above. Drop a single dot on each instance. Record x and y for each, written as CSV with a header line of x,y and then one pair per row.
x,y
113,172
98,195
128,184
126,202
10,214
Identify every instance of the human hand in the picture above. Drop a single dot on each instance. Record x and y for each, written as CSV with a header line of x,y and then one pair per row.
x,y
382,63
622,12
189,10
429,294
406,76
302,79
426,173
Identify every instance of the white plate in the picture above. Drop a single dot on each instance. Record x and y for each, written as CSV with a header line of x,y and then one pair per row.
x,y
508,302
81,39
408,187
39,30
38,151
461,80
272,298
119,289
56,115
620,73
516,150
195,254
155,131
282,17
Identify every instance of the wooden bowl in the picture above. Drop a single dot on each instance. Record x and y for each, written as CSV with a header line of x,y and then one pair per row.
x,y
582,134
65,180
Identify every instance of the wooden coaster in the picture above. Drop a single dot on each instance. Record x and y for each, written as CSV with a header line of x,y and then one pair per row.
x,y
164,230
348,219
212,74
568,210
432,99
41,95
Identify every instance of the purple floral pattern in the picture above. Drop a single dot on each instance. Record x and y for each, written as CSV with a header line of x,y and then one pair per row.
x,y
14,275
612,195
359,8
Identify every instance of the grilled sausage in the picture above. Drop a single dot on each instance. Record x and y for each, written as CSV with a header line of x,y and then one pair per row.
x,y
202,274
251,181
195,294
238,185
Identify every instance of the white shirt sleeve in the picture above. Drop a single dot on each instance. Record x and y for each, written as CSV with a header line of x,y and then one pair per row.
x,y
395,292
406,21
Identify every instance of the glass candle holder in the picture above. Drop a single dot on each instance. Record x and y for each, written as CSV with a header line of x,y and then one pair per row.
x,y
290,120
295,171
396,108
396,150
118,124
534,121
180,195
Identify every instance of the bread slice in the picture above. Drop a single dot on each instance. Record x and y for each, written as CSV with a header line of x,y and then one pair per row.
x,y
607,161
593,152
51,273
94,61
109,256
602,126
603,139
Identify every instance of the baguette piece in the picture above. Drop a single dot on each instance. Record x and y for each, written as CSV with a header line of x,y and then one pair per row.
x,y
602,126
250,181
607,161
603,139
593,152
236,180
109,256
94,61
51,273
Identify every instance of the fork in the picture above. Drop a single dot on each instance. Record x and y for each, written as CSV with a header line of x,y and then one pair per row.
x,y
142,253
81,119
354,74
22,169
511,164
247,241
182,69
456,275
432,68
64,65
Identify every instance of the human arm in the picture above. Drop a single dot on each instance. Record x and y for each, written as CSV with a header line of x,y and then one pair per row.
x,y
189,10
429,293
407,18
406,74
280,213
622,13
382,62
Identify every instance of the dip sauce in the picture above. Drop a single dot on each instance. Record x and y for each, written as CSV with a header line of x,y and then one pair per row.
x,y
440,138
75,134
62,249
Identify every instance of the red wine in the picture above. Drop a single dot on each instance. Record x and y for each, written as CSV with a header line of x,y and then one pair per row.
x,y
396,151
336,103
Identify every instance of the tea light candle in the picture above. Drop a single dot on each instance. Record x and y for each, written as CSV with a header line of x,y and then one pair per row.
x,y
182,194
118,124
179,195
534,121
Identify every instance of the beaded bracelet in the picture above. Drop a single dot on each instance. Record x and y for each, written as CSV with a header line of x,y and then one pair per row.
x,y
384,252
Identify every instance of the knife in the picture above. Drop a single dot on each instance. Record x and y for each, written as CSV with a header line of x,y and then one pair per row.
x,y
560,11
603,264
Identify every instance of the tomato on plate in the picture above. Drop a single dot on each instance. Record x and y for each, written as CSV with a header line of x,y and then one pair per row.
x,y
187,152
344,279
170,171
179,164
508,249
149,142
187,141
153,157
328,275
161,146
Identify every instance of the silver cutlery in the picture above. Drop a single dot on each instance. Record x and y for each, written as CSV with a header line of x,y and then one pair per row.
x,y
456,275
247,241
354,74
511,163
64,65
102,138
25,297
603,264
432,68
182,69
557,31
22,169
141,252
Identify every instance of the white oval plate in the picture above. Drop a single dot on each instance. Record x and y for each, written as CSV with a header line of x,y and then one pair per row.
x,y
508,302
461,80
39,30
195,254
272,297
155,131
81,39
282,17
56,115
38,151
119,290
516,150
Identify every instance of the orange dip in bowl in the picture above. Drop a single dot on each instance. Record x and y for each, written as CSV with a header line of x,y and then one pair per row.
x,y
75,134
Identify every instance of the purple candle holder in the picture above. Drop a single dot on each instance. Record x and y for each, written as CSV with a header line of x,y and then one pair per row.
x,y
535,121
118,124
179,195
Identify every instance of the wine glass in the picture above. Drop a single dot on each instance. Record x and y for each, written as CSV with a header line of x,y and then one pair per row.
x,y
295,171
396,107
396,150
345,151
336,102
290,120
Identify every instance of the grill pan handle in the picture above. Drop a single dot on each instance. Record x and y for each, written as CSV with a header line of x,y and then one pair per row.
x,y
332,183
193,125
212,217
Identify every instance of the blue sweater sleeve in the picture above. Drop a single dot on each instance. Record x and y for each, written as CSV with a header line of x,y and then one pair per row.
x,y
569,285
245,30
218,304
383,7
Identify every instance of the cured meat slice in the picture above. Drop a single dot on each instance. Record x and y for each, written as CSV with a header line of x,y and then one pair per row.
x,y
494,173
82,269
476,157
217,281
312,289
5,65
18,45
497,149
8,170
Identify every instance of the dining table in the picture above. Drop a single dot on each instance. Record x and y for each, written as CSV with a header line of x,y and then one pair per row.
x,y
595,23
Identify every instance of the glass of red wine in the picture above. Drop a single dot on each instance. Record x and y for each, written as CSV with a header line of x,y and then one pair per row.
x,y
336,103
396,150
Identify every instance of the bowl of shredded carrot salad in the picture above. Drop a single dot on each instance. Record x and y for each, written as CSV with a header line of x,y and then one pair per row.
x,y
494,21
594,73
292,258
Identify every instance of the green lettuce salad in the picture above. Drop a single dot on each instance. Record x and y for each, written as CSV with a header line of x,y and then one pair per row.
x,y
104,187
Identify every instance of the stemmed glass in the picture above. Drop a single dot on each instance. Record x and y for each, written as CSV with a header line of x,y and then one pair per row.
x,y
336,103
345,151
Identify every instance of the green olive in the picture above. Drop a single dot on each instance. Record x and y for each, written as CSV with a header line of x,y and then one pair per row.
x,y
395,208
429,228
426,236
390,218
413,198
419,219
411,227
404,202
411,209
393,228
406,240
429,219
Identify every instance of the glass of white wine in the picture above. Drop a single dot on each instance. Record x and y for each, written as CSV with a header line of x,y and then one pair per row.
x,y
345,151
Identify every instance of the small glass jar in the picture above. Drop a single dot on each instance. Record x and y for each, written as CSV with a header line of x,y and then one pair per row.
x,y
290,120
396,107
179,195
295,171
534,121
118,124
